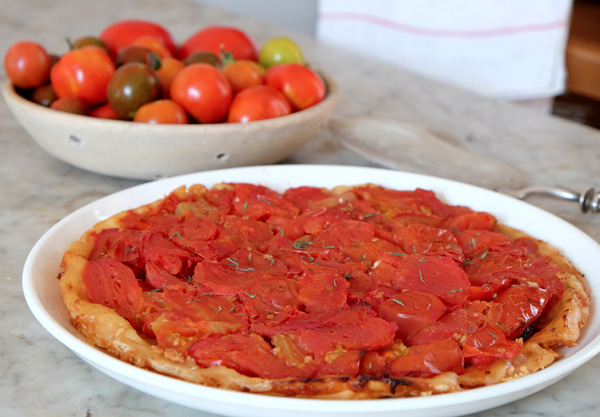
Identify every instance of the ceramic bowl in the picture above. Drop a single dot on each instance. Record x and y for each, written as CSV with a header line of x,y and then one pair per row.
x,y
144,151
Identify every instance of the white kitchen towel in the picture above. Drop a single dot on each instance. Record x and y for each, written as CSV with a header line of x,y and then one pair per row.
x,y
509,49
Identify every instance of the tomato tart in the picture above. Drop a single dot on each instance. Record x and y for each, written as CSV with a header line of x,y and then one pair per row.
x,y
355,292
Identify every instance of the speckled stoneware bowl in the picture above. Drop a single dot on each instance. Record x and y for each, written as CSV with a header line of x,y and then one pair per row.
x,y
143,151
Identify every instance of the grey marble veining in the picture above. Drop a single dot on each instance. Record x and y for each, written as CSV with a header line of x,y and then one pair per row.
x,y
41,378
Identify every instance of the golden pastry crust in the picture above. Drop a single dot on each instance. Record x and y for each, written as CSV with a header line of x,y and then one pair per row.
x,y
105,328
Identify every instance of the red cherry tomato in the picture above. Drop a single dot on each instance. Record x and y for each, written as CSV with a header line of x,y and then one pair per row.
x,y
27,64
203,91
412,311
154,45
83,73
161,112
258,103
301,85
104,111
243,74
212,38
125,32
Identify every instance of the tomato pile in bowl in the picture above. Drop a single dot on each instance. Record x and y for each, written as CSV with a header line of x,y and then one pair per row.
x,y
131,104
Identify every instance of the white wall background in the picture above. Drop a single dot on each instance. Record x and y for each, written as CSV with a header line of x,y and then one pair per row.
x,y
300,15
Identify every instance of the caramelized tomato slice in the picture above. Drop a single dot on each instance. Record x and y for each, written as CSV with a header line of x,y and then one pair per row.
x,y
112,284
521,306
428,360
440,276
487,345
420,238
412,311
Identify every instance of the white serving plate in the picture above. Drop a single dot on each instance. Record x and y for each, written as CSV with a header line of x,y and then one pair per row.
x,y
43,296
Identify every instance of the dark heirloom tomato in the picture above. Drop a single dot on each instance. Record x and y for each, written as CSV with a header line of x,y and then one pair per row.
x,y
70,105
411,311
87,41
123,33
428,360
136,53
112,284
203,91
215,39
84,74
132,86
302,86
44,95
27,64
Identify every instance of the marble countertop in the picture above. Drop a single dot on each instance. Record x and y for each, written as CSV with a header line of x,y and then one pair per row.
x,y
41,377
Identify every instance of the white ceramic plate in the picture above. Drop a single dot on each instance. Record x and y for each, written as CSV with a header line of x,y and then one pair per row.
x,y
43,296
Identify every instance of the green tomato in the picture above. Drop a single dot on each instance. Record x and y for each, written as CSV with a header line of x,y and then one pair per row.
x,y
280,50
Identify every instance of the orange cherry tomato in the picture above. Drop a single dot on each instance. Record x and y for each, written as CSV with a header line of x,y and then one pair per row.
x,y
302,86
258,103
27,64
83,73
154,45
123,33
244,74
203,91
167,72
104,111
217,38
161,112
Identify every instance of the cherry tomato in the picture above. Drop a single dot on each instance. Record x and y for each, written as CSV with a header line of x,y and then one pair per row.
x,y
154,45
243,74
258,103
123,33
203,91
141,54
83,73
161,112
44,95
104,111
27,64
204,57
132,86
280,50
167,72
215,38
87,41
412,311
70,105
301,85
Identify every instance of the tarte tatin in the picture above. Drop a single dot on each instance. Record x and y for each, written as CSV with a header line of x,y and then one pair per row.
x,y
356,292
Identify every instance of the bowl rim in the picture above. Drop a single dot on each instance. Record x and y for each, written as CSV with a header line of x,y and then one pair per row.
x,y
13,98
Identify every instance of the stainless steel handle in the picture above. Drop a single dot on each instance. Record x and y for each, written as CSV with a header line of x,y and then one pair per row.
x,y
589,200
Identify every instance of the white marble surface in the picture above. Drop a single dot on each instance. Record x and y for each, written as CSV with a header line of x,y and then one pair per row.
x,y
40,377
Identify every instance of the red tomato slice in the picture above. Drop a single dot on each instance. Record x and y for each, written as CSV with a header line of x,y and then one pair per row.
x,y
112,284
411,311
428,360
325,291
488,345
420,238
521,306
440,276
